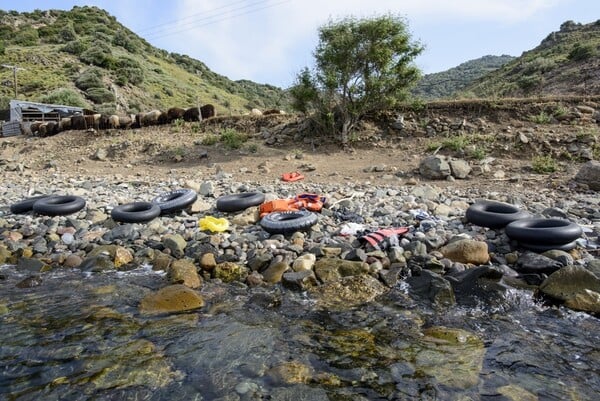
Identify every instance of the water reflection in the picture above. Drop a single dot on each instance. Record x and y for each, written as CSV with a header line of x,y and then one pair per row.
x,y
79,337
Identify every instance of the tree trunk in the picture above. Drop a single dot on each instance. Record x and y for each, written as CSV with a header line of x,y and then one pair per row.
x,y
345,132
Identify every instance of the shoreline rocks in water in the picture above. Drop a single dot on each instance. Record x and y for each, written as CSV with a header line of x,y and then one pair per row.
x,y
444,258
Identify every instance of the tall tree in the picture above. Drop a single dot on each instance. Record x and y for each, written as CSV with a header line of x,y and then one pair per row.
x,y
361,65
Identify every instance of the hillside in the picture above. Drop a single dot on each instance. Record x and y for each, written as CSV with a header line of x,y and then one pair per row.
x,y
566,62
85,57
448,83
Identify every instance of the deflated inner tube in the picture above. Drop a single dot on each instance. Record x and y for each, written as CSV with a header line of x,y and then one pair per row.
x,y
135,212
494,214
540,231
543,248
26,205
175,201
288,222
241,201
59,205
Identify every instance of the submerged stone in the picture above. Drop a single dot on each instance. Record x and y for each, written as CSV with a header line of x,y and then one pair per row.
x,y
174,298
453,356
347,292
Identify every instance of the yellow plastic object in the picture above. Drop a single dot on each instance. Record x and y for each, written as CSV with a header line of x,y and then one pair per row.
x,y
213,224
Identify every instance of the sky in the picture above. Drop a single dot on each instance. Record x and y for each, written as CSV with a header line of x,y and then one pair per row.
x,y
270,41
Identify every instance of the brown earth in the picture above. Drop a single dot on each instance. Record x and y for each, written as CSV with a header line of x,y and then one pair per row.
x,y
378,154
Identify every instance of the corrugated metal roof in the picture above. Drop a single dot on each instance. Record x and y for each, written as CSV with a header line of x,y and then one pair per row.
x,y
16,107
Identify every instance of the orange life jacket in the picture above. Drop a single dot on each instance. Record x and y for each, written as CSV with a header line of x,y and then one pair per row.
x,y
312,202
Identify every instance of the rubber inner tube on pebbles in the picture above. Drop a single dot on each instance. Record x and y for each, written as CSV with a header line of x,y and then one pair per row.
x,y
135,212
288,221
26,205
175,201
241,201
61,205
494,214
540,231
543,248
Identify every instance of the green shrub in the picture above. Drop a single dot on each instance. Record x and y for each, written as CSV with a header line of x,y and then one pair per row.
x,y
67,33
210,140
478,153
100,55
75,47
100,95
6,32
233,139
529,82
66,97
27,36
122,39
538,65
106,108
544,164
128,70
541,118
5,102
456,143
49,34
581,52
2,47
90,78
560,111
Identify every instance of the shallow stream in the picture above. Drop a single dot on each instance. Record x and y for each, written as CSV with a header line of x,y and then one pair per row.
x,y
80,336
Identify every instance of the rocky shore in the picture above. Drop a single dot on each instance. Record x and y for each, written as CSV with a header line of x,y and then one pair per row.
x,y
444,259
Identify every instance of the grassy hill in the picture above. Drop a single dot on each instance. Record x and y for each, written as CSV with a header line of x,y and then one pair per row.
x,y
447,84
85,57
566,62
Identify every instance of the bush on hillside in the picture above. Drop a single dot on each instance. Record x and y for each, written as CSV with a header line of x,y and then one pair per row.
x,y
2,47
49,34
75,47
90,78
99,54
582,52
122,39
100,95
27,36
106,108
538,64
529,82
127,71
67,33
66,97
6,32
134,76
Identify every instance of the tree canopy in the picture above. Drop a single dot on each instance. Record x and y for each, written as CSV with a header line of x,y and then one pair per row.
x,y
361,65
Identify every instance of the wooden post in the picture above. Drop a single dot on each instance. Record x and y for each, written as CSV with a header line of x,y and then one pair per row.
x,y
15,69
199,111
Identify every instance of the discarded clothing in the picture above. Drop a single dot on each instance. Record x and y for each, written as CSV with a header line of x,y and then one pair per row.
x,y
383,239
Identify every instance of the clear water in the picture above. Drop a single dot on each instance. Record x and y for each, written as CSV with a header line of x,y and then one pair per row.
x,y
81,337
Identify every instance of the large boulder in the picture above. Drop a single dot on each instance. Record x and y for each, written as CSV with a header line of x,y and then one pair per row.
x,y
589,174
433,287
577,286
466,251
434,167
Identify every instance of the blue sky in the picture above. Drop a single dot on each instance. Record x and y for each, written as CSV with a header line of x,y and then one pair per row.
x,y
269,41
